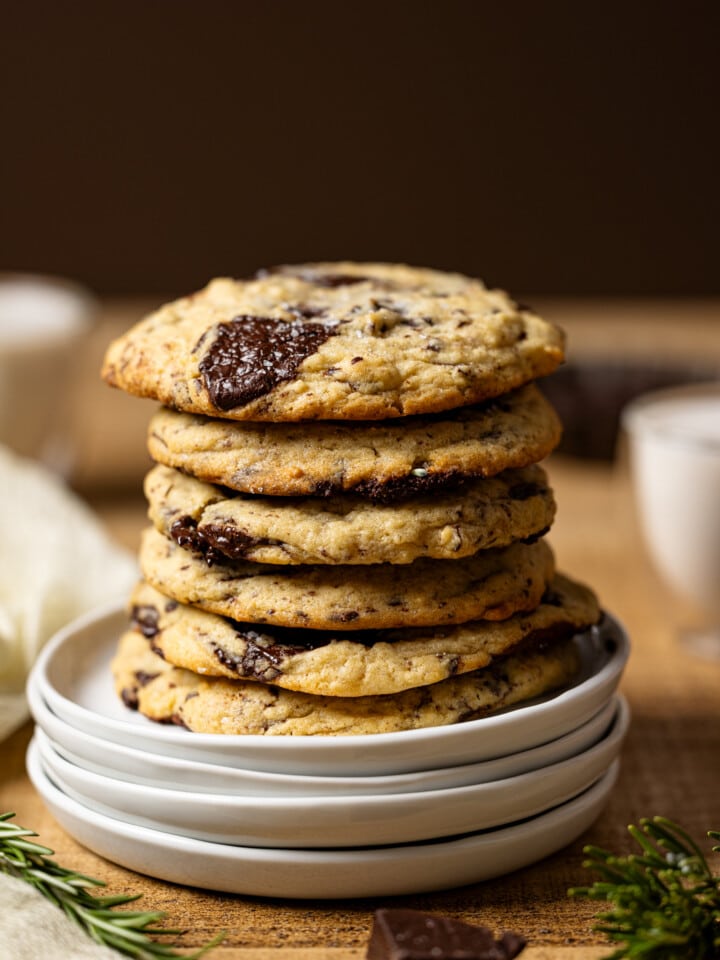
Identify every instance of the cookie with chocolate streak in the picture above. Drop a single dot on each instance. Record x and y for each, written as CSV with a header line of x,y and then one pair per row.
x,y
334,341
352,663
170,694
346,529
385,462
491,585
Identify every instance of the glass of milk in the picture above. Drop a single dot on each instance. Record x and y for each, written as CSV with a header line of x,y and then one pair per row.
x,y
43,321
675,461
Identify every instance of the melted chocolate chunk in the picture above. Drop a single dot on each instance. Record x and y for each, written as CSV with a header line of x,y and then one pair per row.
x,y
523,491
552,598
144,678
214,543
230,542
413,484
402,934
260,661
186,534
394,489
130,698
145,619
250,356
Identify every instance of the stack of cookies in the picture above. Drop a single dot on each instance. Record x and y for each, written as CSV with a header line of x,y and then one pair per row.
x,y
348,514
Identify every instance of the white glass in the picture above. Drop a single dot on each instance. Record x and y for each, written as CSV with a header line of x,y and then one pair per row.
x,y
43,321
675,460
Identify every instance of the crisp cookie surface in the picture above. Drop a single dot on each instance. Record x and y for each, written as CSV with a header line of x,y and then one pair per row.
x,y
383,461
347,529
491,585
334,341
172,695
356,664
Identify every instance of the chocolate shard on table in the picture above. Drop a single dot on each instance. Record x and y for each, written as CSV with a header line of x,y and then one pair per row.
x,y
413,935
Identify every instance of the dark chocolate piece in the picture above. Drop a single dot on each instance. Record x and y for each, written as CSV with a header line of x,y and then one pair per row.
x,y
144,678
414,484
145,618
129,697
250,356
412,935
524,491
215,543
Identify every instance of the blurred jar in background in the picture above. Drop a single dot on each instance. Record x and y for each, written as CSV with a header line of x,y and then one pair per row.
x,y
43,321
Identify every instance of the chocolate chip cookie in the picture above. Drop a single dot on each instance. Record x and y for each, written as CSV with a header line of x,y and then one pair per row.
x,y
491,585
334,341
350,664
347,529
172,695
388,461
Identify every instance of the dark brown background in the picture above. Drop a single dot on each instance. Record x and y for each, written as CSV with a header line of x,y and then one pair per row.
x,y
548,147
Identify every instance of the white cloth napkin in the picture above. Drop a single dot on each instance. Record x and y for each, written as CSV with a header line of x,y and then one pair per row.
x,y
32,928
56,563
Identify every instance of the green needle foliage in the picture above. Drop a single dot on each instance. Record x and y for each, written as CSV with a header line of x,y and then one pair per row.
x,y
123,930
666,902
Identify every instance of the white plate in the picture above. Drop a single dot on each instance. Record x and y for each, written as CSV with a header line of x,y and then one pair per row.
x,y
72,675
154,770
325,874
336,821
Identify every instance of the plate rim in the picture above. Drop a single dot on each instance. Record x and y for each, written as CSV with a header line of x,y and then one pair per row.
x,y
312,864
612,740
273,780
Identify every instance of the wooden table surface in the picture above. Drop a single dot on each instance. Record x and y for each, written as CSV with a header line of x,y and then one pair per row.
x,y
671,764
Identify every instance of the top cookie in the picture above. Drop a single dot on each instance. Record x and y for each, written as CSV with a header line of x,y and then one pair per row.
x,y
334,341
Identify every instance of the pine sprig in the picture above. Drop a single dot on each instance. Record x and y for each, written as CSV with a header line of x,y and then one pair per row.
x,y
124,930
666,901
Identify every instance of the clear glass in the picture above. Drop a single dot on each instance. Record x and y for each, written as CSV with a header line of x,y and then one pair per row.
x,y
675,463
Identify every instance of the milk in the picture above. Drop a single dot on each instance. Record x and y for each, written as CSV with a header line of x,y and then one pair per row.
x,y
675,456
32,311
42,323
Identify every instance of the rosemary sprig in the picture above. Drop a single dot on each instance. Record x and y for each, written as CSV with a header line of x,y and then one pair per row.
x,y
666,900
123,930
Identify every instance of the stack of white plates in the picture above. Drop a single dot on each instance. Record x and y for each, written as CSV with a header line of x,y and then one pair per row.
x,y
322,816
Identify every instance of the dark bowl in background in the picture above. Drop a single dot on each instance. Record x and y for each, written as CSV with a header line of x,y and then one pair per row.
x,y
590,395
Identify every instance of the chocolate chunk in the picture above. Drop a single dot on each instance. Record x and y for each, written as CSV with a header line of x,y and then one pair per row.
x,y
413,484
552,598
250,356
230,542
523,491
144,678
258,661
214,543
145,618
412,935
185,533
130,698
